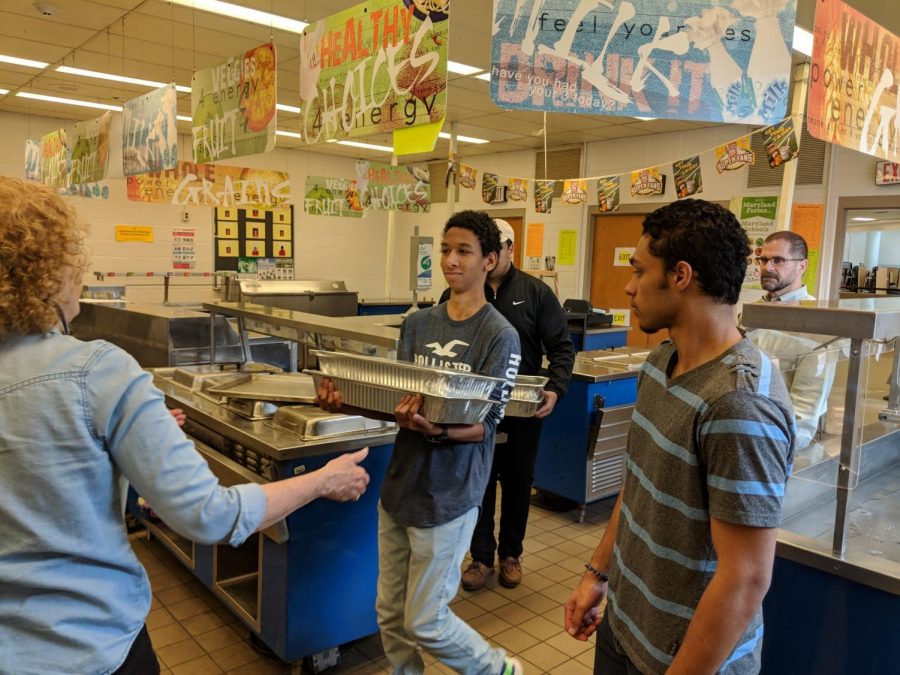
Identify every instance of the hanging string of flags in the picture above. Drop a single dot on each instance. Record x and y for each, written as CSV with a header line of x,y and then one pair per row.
x,y
779,139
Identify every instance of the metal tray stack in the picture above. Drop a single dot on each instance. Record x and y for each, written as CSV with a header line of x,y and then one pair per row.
x,y
284,387
311,423
406,377
526,396
437,409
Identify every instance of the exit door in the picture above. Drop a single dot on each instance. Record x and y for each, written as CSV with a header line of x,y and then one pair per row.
x,y
608,280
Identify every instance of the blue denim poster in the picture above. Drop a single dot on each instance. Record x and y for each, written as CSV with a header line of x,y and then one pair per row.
x,y
709,60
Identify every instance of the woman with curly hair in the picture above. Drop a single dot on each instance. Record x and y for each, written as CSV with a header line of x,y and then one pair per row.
x,y
75,418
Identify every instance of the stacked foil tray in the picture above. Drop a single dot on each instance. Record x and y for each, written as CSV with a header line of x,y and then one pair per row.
x,y
526,396
373,383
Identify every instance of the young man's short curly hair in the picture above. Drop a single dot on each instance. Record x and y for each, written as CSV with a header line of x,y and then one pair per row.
x,y
482,225
706,236
40,249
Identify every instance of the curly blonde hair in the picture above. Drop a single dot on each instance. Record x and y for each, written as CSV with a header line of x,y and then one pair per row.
x,y
40,249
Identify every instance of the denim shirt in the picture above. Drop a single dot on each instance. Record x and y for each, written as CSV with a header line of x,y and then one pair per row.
x,y
75,417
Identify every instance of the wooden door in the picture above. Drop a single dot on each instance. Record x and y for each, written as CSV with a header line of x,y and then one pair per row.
x,y
607,280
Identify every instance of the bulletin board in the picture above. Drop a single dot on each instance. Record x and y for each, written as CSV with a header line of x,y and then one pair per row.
x,y
252,232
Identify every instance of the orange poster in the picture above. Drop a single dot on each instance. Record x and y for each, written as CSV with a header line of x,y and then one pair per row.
x,y
534,243
852,82
807,220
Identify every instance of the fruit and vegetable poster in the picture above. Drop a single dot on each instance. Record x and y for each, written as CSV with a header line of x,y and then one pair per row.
x,y
90,150
854,91
149,134
242,233
233,106
32,160
192,184
375,67
712,60
324,196
402,188
55,158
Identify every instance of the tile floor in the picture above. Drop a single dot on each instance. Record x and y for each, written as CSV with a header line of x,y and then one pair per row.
x,y
194,633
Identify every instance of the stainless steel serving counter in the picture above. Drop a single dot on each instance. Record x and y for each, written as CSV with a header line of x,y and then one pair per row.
x,y
605,365
260,436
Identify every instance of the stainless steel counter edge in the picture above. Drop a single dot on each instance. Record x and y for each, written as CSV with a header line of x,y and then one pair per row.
x,y
864,569
863,319
260,436
382,330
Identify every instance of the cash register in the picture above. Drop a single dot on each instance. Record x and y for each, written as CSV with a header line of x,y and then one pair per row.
x,y
587,322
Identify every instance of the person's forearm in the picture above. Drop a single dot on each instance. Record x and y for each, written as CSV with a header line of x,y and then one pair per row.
x,y
466,433
285,496
603,553
725,610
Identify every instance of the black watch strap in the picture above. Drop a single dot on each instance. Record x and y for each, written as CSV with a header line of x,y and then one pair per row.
x,y
439,437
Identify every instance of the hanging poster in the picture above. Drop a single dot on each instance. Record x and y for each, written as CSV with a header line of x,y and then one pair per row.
x,y
184,254
648,182
211,185
608,193
565,248
491,190
734,155
534,241
781,142
383,187
233,106
331,197
853,82
55,158
517,189
757,217
543,195
375,67
712,60
687,176
149,134
33,160
90,150
574,192
98,190
467,176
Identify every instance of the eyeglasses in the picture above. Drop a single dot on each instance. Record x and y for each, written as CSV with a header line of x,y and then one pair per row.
x,y
778,261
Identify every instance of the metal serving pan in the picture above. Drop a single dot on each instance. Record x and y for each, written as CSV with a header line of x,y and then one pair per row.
x,y
193,377
385,399
407,377
252,410
526,396
311,423
286,387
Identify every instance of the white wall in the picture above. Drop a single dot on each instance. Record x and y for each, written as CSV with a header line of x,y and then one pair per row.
x,y
324,247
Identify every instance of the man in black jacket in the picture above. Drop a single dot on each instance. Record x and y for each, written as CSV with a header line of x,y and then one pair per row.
x,y
530,306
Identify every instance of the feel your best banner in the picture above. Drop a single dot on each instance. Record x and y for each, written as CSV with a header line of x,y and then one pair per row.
x,y
711,60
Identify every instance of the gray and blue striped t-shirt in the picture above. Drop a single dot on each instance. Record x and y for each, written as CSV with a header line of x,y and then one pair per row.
x,y
715,442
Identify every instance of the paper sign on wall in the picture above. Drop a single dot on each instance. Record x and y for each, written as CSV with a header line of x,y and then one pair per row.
x,y
621,317
565,251
184,254
757,217
807,220
140,233
622,256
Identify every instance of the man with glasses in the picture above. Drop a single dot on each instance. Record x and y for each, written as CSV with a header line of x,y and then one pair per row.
x,y
807,364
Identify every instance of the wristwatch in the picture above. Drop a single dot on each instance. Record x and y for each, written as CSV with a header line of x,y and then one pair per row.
x,y
439,437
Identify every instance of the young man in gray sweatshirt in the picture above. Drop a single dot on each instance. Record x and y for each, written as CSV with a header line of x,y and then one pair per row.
x,y
438,473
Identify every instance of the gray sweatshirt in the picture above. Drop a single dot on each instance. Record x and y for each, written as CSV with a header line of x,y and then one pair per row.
x,y
429,484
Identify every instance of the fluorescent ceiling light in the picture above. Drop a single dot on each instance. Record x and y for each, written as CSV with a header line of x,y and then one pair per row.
x,y
184,118
803,41
28,63
484,76
69,101
863,219
364,146
462,68
3,92
644,119
287,108
464,139
289,134
118,78
245,14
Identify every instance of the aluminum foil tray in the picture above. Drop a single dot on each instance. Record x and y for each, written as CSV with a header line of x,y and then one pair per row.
x,y
385,399
311,423
528,388
286,387
406,377
521,408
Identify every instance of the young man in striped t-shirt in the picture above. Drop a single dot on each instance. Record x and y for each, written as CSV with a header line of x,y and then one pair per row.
x,y
687,556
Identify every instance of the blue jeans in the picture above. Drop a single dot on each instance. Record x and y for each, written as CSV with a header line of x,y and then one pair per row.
x,y
419,571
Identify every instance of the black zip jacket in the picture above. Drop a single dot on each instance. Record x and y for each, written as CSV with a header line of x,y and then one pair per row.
x,y
530,306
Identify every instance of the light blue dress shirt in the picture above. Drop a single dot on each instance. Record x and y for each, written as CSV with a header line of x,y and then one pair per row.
x,y
74,418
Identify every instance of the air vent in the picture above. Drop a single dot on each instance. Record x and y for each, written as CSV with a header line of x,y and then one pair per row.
x,y
810,171
561,165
